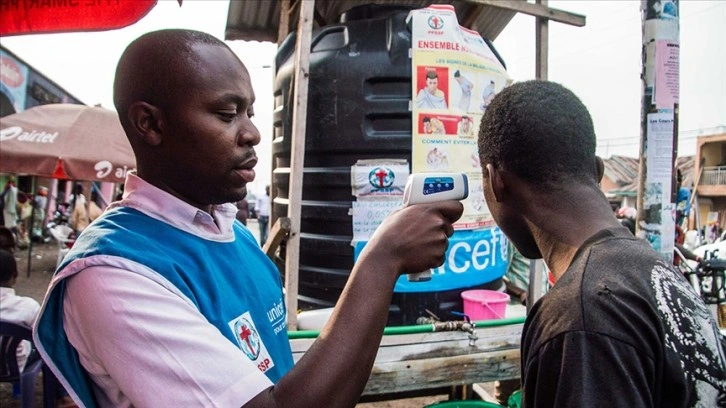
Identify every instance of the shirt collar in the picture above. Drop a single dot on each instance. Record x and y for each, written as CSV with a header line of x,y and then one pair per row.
x,y
156,203
6,291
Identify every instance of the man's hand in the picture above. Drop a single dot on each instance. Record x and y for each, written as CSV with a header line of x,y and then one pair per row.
x,y
415,238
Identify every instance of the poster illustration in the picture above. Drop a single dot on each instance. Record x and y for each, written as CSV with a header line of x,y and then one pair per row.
x,y
455,77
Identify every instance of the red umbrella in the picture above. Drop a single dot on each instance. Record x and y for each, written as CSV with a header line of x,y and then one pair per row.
x,y
39,17
65,141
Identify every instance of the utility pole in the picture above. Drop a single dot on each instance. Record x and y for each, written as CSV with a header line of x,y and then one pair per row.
x,y
659,123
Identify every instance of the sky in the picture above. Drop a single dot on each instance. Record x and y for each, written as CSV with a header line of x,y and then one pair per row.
x,y
599,62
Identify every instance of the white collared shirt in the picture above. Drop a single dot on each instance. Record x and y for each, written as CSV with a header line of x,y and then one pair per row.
x,y
21,310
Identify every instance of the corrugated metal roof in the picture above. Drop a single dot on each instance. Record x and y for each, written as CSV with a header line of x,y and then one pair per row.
x,y
259,20
621,170
627,169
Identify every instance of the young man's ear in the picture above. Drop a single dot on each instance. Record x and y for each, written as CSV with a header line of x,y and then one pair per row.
x,y
496,182
147,121
599,168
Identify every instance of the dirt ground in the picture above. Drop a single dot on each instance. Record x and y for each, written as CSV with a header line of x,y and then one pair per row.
x,y
43,260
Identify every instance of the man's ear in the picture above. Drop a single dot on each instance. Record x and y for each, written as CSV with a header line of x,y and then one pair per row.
x,y
496,182
599,168
147,121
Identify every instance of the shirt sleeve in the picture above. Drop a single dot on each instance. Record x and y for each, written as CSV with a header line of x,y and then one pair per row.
x,y
600,372
144,345
30,308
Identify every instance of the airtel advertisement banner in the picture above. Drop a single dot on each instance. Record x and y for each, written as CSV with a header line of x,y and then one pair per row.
x,y
13,80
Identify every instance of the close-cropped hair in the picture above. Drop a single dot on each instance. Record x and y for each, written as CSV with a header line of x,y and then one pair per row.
x,y
541,132
153,64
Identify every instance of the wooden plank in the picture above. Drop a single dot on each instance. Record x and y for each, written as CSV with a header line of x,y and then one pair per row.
x,y
284,26
299,125
443,371
422,361
279,231
536,10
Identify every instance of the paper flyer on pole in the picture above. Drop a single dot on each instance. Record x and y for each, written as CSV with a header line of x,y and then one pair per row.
x,y
658,225
455,77
667,74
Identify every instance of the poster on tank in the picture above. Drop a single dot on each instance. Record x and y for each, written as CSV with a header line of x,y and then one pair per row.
x,y
378,185
455,76
379,178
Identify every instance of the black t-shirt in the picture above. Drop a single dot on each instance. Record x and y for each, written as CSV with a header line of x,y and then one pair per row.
x,y
621,329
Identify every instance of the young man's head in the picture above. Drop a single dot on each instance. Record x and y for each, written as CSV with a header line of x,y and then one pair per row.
x,y
185,101
541,132
432,81
8,269
540,135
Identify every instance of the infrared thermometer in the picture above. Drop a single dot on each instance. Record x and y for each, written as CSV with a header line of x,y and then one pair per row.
x,y
431,187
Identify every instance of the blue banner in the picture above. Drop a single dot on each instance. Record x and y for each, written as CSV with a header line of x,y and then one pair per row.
x,y
473,257
13,80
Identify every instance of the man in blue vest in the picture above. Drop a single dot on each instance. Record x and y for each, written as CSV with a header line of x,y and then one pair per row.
x,y
166,299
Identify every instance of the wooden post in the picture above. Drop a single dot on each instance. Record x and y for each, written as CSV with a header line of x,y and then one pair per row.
x,y
659,104
542,48
299,123
279,231
284,27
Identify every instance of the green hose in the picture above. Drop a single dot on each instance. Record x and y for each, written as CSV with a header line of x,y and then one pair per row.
x,y
421,328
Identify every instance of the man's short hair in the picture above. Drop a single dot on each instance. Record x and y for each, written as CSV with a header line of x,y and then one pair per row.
x,y
426,119
8,266
541,132
154,61
431,75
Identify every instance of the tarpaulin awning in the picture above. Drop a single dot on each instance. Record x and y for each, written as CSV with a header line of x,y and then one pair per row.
x,y
66,141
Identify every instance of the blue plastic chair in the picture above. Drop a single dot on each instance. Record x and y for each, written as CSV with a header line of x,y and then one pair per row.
x,y
11,335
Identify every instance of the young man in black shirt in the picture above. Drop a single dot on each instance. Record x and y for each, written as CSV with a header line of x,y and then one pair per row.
x,y
620,328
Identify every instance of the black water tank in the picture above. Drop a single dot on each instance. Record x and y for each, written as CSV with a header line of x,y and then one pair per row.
x,y
358,108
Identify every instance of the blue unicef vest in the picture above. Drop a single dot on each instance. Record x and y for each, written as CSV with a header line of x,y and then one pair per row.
x,y
233,284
